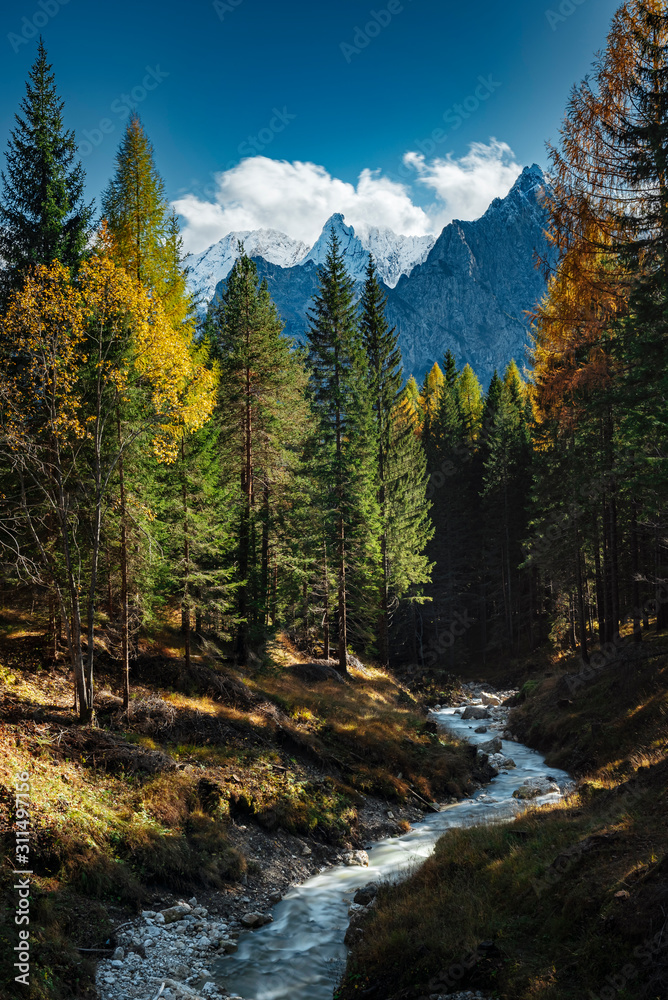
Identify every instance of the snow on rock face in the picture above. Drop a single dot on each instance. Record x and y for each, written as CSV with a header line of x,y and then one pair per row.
x,y
470,291
215,263
394,255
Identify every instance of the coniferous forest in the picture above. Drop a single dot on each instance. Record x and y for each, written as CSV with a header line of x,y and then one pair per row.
x,y
184,469
153,463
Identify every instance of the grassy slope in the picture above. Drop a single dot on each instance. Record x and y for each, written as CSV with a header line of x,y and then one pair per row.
x,y
564,902
148,801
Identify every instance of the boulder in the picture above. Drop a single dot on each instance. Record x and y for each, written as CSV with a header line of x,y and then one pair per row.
x,y
175,913
533,788
492,746
366,893
316,671
476,712
480,729
256,919
359,858
490,699
502,762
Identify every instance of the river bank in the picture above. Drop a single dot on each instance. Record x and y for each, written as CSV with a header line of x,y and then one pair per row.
x,y
561,904
221,784
301,953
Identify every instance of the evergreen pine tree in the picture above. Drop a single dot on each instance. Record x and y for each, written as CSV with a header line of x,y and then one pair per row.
x,y
506,481
454,515
469,395
401,465
43,216
347,443
262,412
135,208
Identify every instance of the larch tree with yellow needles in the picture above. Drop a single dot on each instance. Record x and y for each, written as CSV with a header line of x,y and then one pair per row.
x,y
69,351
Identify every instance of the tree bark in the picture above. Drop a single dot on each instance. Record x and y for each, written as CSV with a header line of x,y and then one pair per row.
x,y
125,611
186,610
326,616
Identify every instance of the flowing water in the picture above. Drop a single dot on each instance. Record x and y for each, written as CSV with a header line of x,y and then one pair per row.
x,y
301,955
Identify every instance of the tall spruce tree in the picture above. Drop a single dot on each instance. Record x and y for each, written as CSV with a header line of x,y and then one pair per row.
x,y
405,527
347,443
451,488
262,411
506,459
43,216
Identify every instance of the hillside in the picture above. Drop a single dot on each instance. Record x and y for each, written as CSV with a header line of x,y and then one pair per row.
x,y
565,902
227,784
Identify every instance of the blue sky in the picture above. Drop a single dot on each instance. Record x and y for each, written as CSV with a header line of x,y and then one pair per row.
x,y
234,94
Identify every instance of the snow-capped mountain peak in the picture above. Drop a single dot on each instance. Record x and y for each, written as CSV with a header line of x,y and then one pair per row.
x,y
215,263
394,255
356,257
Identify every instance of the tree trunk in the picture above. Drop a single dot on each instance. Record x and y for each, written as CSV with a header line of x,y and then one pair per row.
x,y
274,594
600,588
635,566
244,533
186,611
326,617
264,571
584,651
341,554
343,638
125,611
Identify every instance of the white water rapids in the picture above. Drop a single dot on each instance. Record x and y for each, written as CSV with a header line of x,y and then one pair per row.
x,y
301,955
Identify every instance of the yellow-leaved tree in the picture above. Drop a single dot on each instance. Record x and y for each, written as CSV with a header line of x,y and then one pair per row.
x,y
72,352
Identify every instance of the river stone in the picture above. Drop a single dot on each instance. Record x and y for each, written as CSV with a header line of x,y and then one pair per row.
x,y
119,955
366,893
256,919
532,788
491,746
490,699
229,947
476,712
360,858
480,729
175,913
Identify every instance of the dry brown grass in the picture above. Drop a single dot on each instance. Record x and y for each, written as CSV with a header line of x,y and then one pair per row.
x,y
569,896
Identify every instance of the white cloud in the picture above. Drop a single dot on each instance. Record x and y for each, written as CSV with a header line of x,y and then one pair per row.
x,y
297,198
465,187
